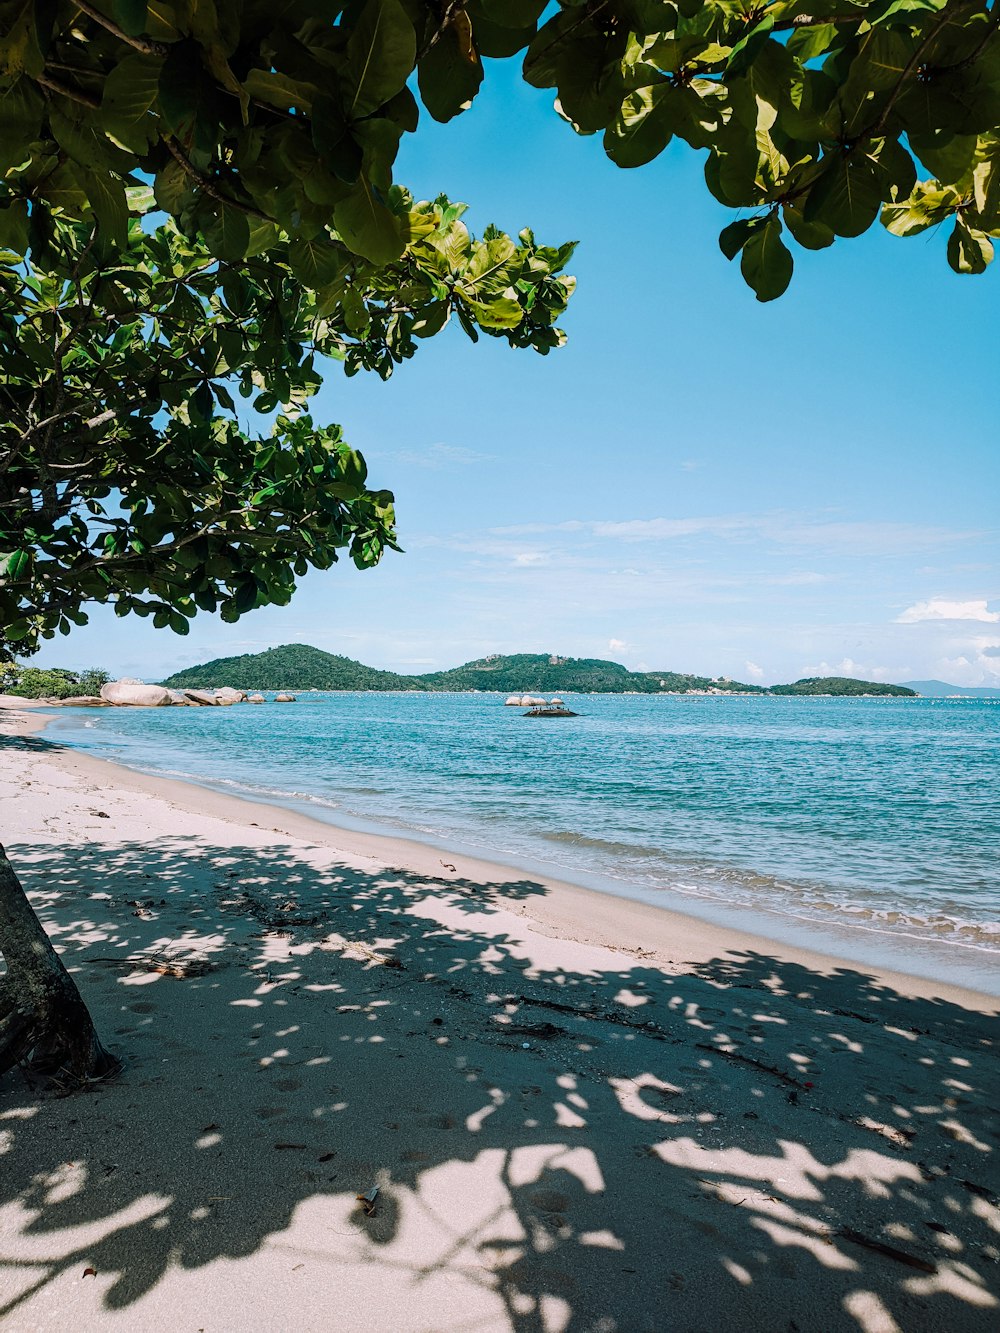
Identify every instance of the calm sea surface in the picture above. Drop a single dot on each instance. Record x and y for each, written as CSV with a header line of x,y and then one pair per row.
x,y
869,827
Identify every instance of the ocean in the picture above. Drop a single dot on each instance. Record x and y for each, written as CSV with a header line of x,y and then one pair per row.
x,y
862,827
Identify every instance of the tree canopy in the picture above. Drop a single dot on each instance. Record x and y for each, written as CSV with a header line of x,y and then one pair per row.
x,y
257,121
128,475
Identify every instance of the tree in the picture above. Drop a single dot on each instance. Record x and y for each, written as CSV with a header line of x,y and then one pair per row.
x,y
126,475
254,123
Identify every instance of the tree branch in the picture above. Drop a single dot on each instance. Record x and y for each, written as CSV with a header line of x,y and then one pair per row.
x,y
911,65
207,184
143,44
64,90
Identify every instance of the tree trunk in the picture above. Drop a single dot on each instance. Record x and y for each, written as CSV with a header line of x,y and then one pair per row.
x,y
43,1019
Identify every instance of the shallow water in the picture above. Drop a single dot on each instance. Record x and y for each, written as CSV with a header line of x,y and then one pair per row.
x,y
871,822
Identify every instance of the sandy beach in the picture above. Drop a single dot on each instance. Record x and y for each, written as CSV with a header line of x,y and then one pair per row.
x,y
581,1114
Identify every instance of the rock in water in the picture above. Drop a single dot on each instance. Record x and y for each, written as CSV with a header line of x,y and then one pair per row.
x,y
202,697
513,701
130,693
284,698
228,695
256,699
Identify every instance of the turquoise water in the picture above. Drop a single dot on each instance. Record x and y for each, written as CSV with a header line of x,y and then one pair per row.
x,y
871,822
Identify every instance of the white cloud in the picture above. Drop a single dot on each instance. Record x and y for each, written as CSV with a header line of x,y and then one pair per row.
x,y
617,646
938,608
783,531
754,670
530,559
438,456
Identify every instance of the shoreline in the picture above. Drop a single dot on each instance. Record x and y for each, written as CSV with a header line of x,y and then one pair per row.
x,y
367,1084
924,967
565,909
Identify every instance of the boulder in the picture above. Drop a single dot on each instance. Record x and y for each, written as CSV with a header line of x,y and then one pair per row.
x,y
131,694
85,701
256,699
202,697
556,702
228,695
513,701
284,698
177,697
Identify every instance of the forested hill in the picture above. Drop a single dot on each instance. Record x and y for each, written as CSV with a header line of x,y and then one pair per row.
x,y
843,686
572,675
296,666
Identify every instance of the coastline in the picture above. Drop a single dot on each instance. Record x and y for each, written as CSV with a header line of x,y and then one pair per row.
x,y
798,930
581,1112
570,910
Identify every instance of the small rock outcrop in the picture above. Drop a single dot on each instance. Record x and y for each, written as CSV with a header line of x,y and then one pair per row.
x,y
513,701
228,695
131,694
284,698
202,697
85,701
256,699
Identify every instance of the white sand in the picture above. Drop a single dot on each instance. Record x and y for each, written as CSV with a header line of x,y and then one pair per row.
x,y
581,1113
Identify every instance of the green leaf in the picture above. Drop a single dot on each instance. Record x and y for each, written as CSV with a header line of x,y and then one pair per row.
x,y
767,262
748,48
130,89
130,15
181,89
504,312
644,126
106,195
969,250
945,155
381,52
14,226
229,233
316,262
448,78
846,197
513,13
926,207
21,111
278,89
17,566
366,225
733,238
810,235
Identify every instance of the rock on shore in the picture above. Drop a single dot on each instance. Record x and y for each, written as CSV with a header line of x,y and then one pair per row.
x,y
133,694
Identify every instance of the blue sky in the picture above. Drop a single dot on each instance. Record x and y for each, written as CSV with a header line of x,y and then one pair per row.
x,y
697,482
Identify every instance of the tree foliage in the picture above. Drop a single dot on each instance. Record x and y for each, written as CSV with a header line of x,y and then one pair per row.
x,y
55,683
127,471
258,122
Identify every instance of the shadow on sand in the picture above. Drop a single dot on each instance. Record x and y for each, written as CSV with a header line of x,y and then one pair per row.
x,y
744,1144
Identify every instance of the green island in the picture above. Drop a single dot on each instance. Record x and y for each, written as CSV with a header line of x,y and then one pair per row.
x,y
297,666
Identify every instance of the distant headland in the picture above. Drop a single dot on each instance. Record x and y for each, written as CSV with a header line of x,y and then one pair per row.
x,y
297,666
